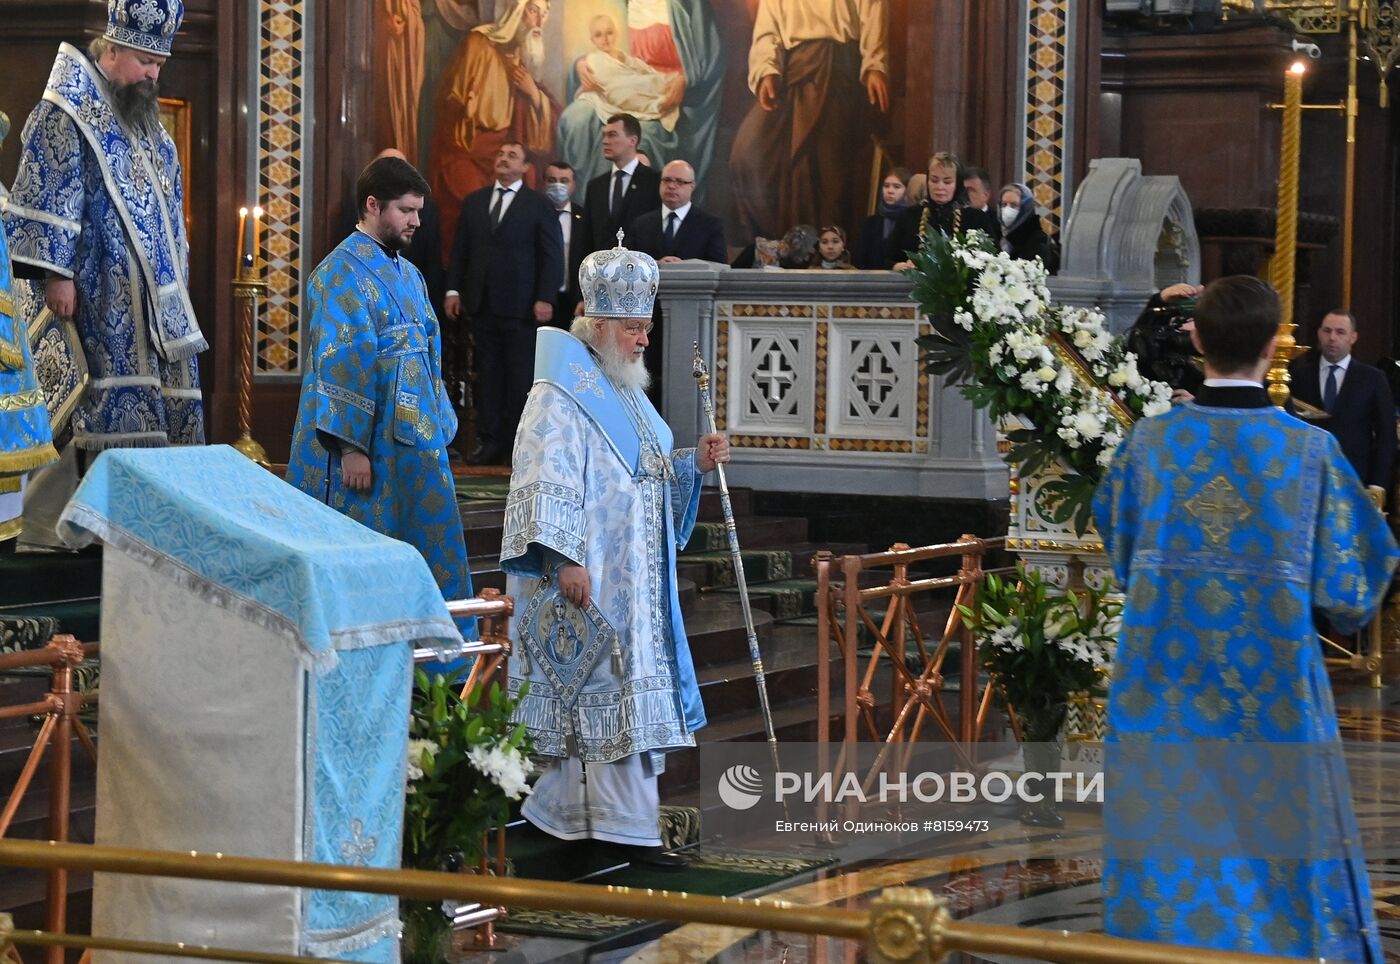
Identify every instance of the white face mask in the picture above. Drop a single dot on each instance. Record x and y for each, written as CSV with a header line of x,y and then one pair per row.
x,y
558,193
1008,215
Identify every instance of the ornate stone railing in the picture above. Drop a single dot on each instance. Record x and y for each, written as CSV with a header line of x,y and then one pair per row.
x,y
817,381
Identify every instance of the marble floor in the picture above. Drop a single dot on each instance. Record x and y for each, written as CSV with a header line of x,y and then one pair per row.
x,y
1017,875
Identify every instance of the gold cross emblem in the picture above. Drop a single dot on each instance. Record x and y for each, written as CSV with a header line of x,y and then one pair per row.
x,y
1218,505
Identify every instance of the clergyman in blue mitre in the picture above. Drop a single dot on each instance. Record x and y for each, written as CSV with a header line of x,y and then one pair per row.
x,y
96,226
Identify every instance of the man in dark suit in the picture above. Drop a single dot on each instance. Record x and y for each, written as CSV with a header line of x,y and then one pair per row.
x,y
615,198
679,231
1353,393
559,188
504,274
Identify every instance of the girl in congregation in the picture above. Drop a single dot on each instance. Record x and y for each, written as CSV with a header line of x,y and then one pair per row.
x,y
831,253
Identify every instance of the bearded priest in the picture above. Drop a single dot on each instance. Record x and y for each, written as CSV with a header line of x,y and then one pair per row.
x,y
599,505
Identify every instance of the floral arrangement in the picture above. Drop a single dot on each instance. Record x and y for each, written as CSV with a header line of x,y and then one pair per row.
x,y
1057,371
466,763
1042,645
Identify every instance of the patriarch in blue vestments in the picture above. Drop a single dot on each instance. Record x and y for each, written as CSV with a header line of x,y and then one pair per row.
x,y
375,421
600,502
1228,815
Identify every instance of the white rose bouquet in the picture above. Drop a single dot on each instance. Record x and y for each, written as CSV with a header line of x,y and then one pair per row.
x,y
1012,352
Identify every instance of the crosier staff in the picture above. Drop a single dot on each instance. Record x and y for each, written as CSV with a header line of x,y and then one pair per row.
x,y
702,380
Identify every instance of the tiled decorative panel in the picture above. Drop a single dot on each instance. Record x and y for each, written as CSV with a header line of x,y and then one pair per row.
x,y
832,376
1048,85
282,155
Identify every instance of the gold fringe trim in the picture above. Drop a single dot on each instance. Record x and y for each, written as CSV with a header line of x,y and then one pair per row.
x,y
12,463
9,483
11,529
10,356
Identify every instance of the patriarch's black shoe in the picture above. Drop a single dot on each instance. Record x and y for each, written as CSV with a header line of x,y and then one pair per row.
x,y
484,455
656,858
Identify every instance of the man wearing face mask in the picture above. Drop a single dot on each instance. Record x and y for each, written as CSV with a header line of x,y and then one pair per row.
x,y
1022,235
559,188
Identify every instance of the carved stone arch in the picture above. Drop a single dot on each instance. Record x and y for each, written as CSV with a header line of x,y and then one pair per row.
x,y
1128,236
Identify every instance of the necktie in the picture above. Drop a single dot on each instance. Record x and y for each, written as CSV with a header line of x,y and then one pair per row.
x,y
616,208
496,208
566,229
1329,391
671,220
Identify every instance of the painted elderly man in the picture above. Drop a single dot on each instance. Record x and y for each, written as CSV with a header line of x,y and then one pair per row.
x,y
599,505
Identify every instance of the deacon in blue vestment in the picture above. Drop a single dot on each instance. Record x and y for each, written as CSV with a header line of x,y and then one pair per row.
x,y
25,441
599,505
374,422
1228,815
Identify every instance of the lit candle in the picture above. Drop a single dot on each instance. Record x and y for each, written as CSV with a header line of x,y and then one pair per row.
x,y
242,233
257,237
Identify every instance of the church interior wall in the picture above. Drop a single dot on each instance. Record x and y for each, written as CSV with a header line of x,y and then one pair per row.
x,y
1198,106
1190,105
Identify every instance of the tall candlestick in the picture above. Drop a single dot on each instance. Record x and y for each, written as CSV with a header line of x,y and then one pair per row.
x,y
1281,268
242,233
257,237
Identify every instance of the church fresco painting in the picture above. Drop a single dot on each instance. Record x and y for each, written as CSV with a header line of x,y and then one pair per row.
x,y
779,124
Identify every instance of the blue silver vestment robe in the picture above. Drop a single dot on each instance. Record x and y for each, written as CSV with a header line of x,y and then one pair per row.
x,y
374,382
595,482
25,441
97,203
1228,814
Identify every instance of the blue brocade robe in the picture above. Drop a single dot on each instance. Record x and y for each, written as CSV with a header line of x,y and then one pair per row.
x,y
96,203
374,381
596,482
25,442
1227,527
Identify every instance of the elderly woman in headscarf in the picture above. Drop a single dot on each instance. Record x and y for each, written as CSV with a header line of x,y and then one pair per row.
x,y
1022,235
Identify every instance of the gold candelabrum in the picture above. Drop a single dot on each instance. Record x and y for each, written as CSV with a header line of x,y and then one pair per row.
x,y
1281,267
248,291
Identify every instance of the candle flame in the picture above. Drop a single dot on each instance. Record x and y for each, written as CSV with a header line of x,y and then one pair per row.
x,y
242,212
1298,67
257,212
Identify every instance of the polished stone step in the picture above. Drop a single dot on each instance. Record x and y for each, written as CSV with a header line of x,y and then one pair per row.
x,y
30,577
790,660
715,570
711,510
717,633
754,532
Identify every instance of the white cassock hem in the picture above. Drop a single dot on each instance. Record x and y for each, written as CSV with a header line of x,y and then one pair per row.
x,y
619,803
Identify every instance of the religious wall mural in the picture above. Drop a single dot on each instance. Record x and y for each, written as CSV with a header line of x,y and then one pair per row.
x,y
777,104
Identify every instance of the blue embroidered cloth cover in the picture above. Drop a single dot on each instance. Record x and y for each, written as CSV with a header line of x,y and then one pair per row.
x,y
1227,811
351,601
